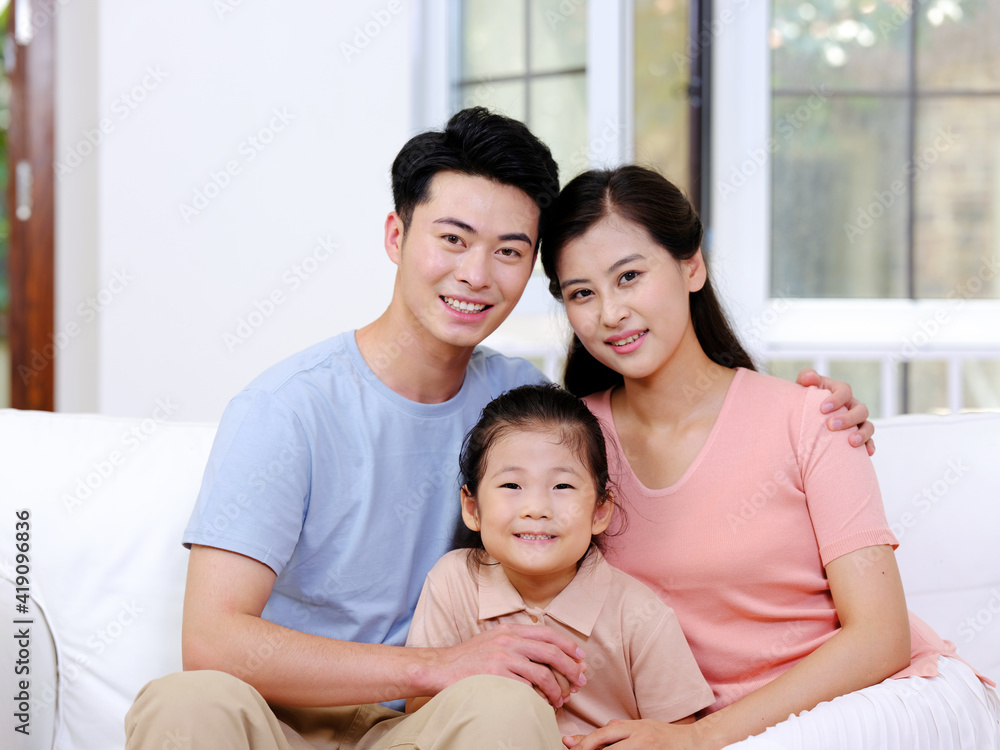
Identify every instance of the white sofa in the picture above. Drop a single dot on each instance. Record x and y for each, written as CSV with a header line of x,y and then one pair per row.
x,y
107,500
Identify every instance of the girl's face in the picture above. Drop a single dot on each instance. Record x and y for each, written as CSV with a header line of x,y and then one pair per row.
x,y
536,509
627,298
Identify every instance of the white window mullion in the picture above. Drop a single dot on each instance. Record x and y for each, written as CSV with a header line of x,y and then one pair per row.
x,y
609,89
741,169
435,64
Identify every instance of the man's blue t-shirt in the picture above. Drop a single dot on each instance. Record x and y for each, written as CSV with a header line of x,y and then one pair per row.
x,y
344,488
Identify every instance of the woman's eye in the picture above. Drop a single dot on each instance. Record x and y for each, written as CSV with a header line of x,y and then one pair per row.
x,y
452,238
629,276
580,294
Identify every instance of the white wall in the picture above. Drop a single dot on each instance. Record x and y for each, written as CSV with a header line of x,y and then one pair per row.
x,y
147,290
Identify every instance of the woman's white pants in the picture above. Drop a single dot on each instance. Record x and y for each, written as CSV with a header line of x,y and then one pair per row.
x,y
951,711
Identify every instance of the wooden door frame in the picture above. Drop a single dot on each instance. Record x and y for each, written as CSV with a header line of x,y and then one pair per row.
x,y
34,346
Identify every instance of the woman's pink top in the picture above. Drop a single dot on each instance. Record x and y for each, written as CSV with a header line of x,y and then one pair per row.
x,y
737,546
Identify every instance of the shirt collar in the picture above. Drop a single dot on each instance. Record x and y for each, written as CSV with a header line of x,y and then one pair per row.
x,y
577,606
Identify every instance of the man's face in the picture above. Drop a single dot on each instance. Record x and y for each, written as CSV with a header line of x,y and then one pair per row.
x,y
465,258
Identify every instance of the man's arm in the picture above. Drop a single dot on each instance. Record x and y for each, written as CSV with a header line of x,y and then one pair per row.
x,y
226,593
842,396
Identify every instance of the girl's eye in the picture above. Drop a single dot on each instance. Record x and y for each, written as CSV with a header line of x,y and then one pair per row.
x,y
628,276
564,486
510,486
580,294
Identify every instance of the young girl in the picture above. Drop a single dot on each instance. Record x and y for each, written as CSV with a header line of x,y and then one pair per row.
x,y
762,530
536,492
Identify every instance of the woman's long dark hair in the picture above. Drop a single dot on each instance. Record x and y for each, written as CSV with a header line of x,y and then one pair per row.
x,y
647,199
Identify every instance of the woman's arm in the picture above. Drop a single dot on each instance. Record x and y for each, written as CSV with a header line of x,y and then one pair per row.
x,y
872,644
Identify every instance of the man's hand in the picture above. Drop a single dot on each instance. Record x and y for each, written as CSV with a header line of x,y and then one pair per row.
x,y
841,396
534,654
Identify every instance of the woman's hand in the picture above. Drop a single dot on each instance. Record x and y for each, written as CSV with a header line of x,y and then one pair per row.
x,y
842,396
644,734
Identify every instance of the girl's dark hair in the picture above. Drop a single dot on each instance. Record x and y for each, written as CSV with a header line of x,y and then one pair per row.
x,y
534,408
479,143
647,199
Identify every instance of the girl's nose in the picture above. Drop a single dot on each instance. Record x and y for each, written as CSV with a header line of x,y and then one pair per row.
x,y
536,507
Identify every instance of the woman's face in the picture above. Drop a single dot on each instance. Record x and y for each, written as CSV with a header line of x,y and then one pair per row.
x,y
627,298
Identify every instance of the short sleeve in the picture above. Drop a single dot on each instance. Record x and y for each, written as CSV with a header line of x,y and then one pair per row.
x,y
667,681
434,622
840,486
255,492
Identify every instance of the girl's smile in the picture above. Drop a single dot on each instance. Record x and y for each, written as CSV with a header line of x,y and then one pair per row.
x,y
536,509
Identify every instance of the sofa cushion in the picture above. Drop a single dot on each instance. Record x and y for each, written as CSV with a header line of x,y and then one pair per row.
x,y
108,500
940,480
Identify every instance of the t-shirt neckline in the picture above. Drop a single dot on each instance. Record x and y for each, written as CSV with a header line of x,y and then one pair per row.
x,y
693,467
444,408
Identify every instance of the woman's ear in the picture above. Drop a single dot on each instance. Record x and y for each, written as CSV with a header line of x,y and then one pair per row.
x,y
394,237
470,511
695,271
603,513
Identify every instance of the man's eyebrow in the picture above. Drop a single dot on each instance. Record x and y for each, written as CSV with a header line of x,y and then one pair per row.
x,y
614,267
509,237
456,223
516,236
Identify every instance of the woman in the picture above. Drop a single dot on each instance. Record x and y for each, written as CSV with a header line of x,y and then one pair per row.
x,y
761,529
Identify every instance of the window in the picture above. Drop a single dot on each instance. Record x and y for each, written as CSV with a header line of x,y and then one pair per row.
x,y
528,59
856,189
888,121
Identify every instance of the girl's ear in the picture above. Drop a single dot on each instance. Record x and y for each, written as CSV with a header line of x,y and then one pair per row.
x,y
695,271
603,514
470,511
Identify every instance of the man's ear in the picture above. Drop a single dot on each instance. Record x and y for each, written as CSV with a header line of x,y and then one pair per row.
x,y
696,272
394,232
470,511
603,514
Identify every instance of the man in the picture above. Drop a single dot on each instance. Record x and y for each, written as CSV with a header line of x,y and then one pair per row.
x,y
332,489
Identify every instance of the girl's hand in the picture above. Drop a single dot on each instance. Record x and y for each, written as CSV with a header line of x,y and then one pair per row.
x,y
842,396
644,734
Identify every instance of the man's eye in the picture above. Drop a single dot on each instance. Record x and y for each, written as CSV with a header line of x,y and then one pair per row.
x,y
509,252
452,238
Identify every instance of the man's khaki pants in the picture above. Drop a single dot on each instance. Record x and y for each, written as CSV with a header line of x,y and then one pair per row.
x,y
216,711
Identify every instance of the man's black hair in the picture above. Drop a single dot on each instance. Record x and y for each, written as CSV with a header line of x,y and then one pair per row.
x,y
479,143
